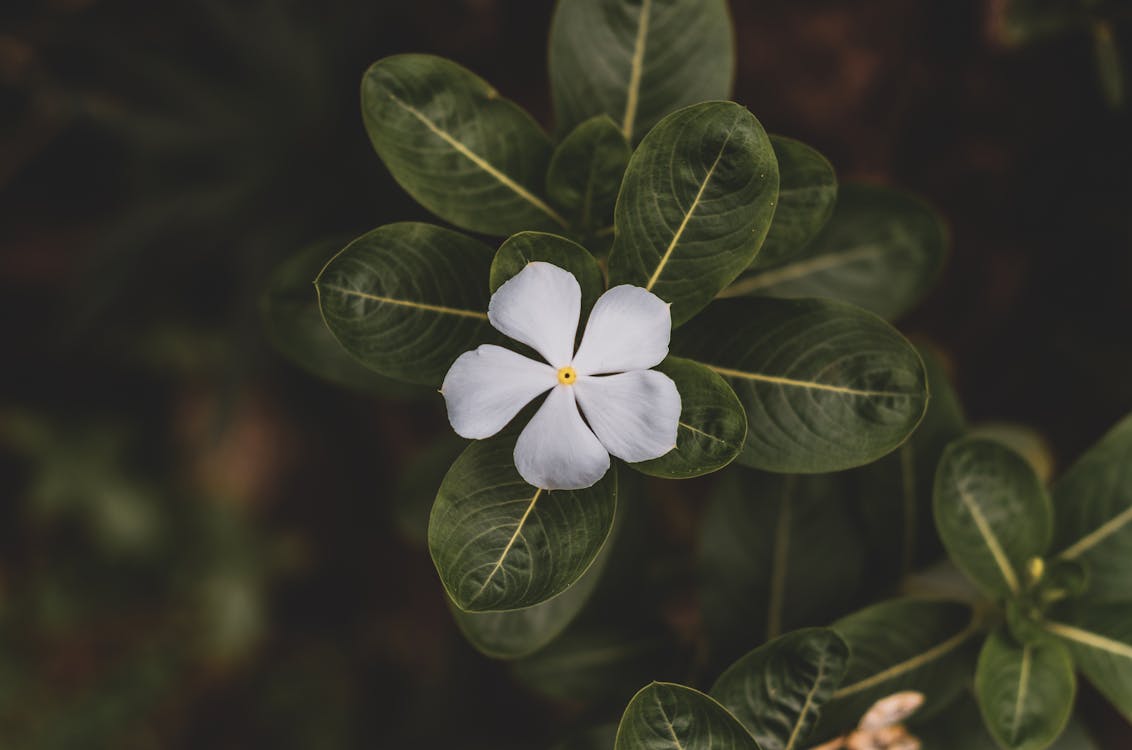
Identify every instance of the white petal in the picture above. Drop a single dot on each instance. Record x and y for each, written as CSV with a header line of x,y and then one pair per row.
x,y
556,451
485,388
635,414
539,306
628,329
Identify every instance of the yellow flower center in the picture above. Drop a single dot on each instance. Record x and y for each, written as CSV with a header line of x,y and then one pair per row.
x,y
567,375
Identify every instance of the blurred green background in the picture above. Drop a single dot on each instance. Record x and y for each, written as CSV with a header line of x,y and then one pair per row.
x,y
203,545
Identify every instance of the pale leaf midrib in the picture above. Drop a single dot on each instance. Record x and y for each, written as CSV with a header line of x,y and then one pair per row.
x,y
795,732
636,71
698,431
480,162
507,549
440,309
1088,638
989,538
792,271
1023,689
728,372
1098,535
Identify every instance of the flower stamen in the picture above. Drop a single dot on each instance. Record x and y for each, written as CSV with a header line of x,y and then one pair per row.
x,y
567,375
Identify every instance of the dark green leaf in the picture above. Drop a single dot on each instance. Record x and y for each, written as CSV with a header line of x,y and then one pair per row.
x,y
418,483
826,386
1093,503
992,513
585,173
1099,637
638,60
462,151
501,544
1025,692
712,424
961,727
664,716
777,691
807,192
695,205
522,248
881,250
407,299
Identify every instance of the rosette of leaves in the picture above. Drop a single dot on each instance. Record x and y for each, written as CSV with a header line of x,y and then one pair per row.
x,y
647,185
1056,565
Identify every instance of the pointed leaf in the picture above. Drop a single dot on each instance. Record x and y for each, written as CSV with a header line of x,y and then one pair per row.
x,y
1025,692
664,716
638,60
777,691
992,513
471,157
408,299
1093,503
500,544
520,249
1099,638
881,250
695,205
827,386
585,173
712,427
807,192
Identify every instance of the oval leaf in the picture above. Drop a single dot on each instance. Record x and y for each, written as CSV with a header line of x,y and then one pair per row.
x,y
1025,692
826,386
1093,503
463,152
712,427
638,60
522,248
664,716
882,250
407,299
807,192
500,544
585,173
992,513
1099,638
899,645
777,691
695,205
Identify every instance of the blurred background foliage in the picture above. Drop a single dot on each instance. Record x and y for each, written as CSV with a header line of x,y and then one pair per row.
x,y
202,545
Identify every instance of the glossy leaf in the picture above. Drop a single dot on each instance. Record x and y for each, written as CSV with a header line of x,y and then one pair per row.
x,y
777,691
407,299
1099,638
904,644
992,513
807,192
500,544
638,60
520,249
664,716
1025,692
826,386
585,173
463,152
695,205
881,250
777,552
1093,504
712,427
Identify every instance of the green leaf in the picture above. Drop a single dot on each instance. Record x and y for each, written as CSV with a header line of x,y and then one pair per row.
x,y
904,644
961,727
500,544
1099,638
695,205
712,424
664,716
417,485
881,250
777,691
463,152
407,299
807,192
638,60
826,386
585,173
1093,503
992,513
1025,692
522,248
777,551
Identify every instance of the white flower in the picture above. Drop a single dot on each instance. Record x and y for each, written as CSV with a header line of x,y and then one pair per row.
x,y
632,415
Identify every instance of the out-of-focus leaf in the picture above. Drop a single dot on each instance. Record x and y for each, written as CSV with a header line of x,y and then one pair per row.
x,y
585,173
1023,440
664,716
1099,638
807,192
416,489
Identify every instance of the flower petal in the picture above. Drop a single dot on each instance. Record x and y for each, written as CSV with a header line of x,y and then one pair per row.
x,y
485,388
628,329
539,306
556,451
635,415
